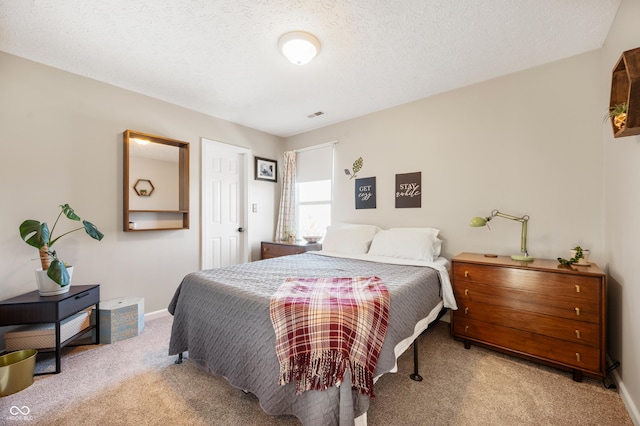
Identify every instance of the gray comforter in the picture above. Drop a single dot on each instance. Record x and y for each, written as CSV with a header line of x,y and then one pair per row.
x,y
221,317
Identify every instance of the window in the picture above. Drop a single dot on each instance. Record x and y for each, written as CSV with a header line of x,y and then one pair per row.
x,y
314,170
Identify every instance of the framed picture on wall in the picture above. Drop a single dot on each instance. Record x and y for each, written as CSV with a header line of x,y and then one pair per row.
x,y
266,169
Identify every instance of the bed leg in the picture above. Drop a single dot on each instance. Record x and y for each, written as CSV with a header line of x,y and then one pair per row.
x,y
415,376
179,360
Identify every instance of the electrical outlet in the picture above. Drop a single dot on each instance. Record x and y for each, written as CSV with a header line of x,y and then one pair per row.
x,y
254,208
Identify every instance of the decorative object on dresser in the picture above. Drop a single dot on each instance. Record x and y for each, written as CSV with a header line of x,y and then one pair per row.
x,y
624,102
36,234
312,240
579,256
484,221
542,311
51,318
269,249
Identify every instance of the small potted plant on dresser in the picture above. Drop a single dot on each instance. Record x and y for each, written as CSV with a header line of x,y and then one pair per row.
x,y
55,276
579,256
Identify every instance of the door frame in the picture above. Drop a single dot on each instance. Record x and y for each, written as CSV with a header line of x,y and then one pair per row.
x,y
206,144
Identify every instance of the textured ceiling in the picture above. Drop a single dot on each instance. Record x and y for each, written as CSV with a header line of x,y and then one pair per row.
x,y
220,57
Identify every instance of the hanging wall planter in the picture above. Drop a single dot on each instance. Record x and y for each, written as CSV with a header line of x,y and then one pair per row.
x,y
624,103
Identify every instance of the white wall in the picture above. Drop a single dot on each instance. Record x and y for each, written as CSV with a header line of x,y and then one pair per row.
x,y
61,137
526,143
622,210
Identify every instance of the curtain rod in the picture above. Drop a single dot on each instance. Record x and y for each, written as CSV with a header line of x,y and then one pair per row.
x,y
309,148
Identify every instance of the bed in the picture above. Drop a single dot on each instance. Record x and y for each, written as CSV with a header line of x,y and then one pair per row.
x,y
221,318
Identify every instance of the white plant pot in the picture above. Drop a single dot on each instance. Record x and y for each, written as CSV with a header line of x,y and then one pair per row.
x,y
585,256
47,286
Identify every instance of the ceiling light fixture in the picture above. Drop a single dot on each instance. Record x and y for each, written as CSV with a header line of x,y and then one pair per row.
x,y
299,47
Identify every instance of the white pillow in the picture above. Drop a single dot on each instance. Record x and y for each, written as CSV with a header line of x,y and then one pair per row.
x,y
433,232
349,238
406,245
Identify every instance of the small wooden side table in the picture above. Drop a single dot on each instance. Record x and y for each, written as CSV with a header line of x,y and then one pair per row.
x,y
31,308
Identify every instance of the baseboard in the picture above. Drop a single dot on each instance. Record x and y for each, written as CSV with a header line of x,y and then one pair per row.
x,y
626,398
156,314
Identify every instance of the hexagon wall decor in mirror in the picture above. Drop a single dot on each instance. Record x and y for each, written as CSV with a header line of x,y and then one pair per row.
x,y
144,187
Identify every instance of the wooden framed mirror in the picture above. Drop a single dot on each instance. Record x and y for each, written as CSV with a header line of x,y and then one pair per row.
x,y
156,183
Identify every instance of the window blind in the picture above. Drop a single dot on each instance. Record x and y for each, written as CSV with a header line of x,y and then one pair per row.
x,y
314,164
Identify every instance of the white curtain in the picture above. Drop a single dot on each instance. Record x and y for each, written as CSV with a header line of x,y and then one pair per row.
x,y
287,214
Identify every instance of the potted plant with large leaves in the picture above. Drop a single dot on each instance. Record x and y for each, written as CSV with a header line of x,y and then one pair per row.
x,y
38,235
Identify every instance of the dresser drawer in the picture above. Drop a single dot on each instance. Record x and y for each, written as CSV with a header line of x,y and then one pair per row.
x,y
569,307
78,302
272,249
547,348
544,282
583,333
275,250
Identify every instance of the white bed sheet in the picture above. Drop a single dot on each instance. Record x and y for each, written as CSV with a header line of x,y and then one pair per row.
x,y
441,265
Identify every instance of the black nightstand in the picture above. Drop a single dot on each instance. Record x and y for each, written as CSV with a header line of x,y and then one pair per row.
x,y
31,308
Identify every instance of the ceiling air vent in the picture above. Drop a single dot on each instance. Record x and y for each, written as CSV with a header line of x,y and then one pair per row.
x,y
315,114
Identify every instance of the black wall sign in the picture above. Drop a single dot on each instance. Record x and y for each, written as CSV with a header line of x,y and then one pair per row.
x,y
366,193
409,190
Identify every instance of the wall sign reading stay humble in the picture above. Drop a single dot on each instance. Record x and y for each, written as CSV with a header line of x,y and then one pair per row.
x,y
409,190
366,193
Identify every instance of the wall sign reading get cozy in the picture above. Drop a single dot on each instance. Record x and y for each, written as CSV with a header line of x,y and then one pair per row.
x,y
409,190
366,193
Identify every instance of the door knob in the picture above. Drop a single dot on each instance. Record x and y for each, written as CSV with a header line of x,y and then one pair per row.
x,y
241,229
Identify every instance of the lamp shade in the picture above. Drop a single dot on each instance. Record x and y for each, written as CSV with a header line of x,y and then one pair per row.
x,y
478,222
299,47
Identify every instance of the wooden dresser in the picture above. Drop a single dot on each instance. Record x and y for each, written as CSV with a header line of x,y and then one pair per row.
x,y
538,310
269,249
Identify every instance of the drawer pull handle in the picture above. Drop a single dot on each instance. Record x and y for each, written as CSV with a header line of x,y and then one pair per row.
x,y
577,311
466,274
577,357
466,328
466,310
578,334
466,291
577,288
80,296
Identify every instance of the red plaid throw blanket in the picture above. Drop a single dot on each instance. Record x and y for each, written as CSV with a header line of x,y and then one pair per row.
x,y
324,325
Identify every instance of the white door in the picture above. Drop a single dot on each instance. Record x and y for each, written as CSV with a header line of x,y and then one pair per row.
x,y
224,199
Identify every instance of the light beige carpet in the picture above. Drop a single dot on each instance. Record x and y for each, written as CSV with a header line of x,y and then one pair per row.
x,y
134,382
